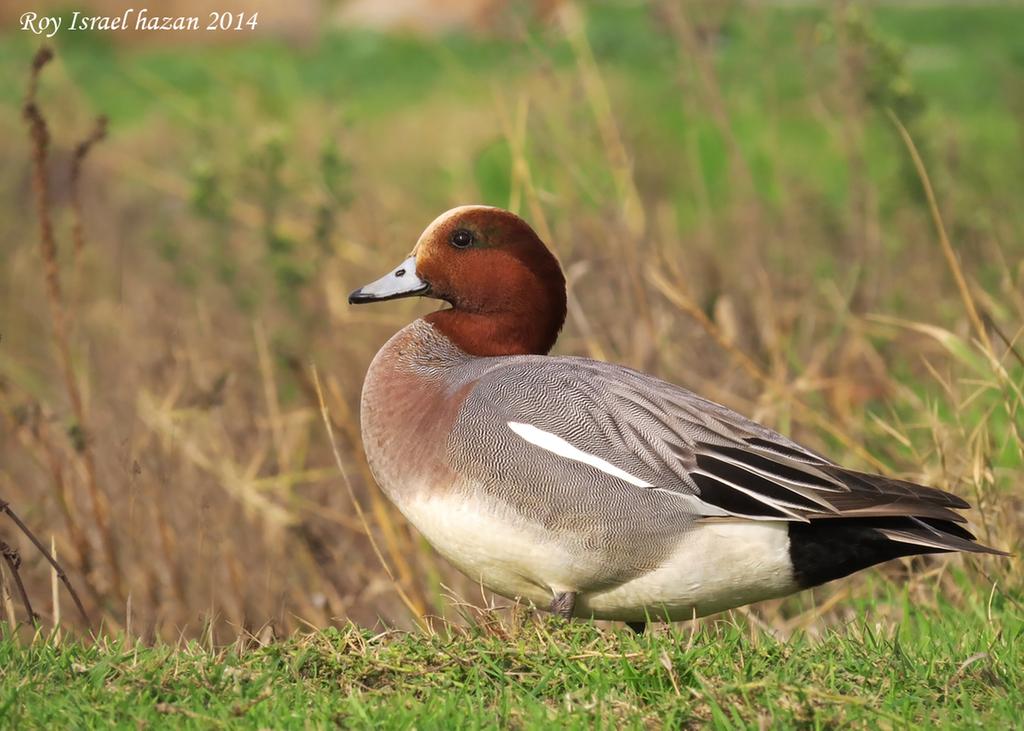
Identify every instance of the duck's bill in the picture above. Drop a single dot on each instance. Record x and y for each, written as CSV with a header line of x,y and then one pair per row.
x,y
400,282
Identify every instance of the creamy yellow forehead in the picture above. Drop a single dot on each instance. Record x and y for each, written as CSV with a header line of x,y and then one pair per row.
x,y
439,223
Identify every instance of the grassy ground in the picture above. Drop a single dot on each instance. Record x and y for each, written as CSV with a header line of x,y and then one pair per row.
x,y
941,667
737,213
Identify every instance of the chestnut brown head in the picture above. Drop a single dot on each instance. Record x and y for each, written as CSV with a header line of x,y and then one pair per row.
x,y
505,288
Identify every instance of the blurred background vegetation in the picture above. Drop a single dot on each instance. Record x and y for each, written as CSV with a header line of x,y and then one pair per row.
x,y
724,182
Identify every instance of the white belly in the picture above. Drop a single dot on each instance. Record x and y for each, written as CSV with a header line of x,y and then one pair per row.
x,y
506,555
714,566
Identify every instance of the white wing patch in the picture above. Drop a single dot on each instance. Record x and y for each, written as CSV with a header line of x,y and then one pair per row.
x,y
557,445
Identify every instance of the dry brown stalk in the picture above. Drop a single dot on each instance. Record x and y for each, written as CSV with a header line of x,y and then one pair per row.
x,y
55,589
514,133
40,138
977,316
416,611
383,510
5,599
600,103
97,134
13,559
6,508
683,29
633,216
45,452
940,228
675,295
270,394
1008,341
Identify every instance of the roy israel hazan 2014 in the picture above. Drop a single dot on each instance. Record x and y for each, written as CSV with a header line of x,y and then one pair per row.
x,y
131,19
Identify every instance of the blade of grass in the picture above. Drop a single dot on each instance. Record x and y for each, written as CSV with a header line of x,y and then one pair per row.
x,y
947,248
416,611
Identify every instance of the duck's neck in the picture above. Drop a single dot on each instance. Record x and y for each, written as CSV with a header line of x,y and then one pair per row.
x,y
530,329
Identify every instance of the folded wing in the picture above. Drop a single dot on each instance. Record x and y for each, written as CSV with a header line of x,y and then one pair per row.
x,y
621,430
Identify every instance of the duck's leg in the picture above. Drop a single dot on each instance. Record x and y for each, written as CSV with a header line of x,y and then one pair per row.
x,y
563,604
637,627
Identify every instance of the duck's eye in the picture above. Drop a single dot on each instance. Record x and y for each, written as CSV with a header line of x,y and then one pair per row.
x,y
461,238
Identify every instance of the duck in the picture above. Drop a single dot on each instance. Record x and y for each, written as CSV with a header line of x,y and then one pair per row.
x,y
588,488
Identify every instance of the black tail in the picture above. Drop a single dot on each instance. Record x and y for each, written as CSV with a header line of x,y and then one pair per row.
x,y
827,549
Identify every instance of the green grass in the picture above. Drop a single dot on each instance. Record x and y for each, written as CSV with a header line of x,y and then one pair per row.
x,y
940,666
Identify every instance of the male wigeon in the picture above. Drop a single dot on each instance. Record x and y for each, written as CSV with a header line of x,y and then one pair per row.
x,y
590,488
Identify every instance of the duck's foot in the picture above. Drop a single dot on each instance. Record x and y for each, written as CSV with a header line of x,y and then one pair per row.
x,y
563,604
637,627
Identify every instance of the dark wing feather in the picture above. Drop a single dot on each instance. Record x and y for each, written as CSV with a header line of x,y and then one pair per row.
x,y
823,490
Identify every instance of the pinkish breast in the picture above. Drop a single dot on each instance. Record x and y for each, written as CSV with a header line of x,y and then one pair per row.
x,y
409,404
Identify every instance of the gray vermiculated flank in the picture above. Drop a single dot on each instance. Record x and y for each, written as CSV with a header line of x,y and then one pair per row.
x,y
639,424
679,443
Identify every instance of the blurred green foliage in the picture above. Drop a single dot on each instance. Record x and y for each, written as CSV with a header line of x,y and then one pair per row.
x,y
243,105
